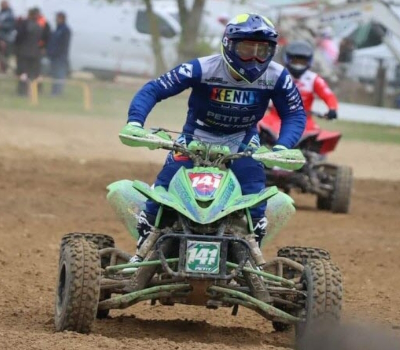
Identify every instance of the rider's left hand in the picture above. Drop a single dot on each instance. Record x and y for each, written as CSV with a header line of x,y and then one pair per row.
x,y
332,114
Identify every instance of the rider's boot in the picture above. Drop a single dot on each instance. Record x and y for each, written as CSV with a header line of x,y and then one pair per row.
x,y
259,228
144,227
256,283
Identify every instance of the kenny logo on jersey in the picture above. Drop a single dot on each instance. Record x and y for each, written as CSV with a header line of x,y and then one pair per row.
x,y
238,97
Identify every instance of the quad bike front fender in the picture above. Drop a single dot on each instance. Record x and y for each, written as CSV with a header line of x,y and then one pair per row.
x,y
280,209
198,214
127,202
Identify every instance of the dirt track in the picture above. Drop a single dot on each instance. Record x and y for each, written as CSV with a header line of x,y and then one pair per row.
x,y
45,194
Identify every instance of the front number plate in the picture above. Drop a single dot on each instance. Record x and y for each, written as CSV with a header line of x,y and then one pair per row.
x,y
203,257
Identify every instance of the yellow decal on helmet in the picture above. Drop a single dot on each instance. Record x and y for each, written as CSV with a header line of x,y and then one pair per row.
x,y
268,21
240,18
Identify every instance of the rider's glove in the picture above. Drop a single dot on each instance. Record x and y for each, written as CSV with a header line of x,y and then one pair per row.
x,y
136,130
277,148
136,124
133,129
254,143
332,114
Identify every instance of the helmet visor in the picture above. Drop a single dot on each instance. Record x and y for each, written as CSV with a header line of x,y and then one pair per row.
x,y
248,50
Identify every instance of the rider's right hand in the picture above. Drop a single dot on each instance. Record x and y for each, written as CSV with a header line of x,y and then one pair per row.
x,y
136,124
133,134
133,129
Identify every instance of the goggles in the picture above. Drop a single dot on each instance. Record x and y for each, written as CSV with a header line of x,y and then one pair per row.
x,y
299,62
254,50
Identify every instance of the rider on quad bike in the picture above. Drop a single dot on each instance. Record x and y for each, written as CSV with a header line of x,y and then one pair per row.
x,y
230,93
298,58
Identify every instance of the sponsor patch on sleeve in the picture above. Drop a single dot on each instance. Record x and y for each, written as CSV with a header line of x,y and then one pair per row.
x,y
186,69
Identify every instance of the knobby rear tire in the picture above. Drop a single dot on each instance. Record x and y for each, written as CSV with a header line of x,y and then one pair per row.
x,y
78,286
301,255
342,190
322,281
102,241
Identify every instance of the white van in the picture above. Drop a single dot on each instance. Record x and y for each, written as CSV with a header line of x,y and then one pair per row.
x,y
111,38
375,50
366,61
374,29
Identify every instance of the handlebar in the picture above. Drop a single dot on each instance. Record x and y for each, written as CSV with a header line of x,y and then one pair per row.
x,y
212,155
318,115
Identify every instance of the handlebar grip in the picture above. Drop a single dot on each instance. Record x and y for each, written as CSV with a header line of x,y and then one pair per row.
x,y
317,114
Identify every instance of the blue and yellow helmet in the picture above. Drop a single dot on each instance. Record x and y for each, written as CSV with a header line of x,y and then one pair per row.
x,y
248,45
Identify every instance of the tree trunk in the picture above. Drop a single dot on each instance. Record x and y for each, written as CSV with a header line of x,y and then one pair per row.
x,y
190,23
155,39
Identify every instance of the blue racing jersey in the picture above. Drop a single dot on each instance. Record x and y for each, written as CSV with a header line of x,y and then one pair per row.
x,y
221,105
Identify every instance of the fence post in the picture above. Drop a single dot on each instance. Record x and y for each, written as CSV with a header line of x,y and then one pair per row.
x,y
87,97
33,89
86,92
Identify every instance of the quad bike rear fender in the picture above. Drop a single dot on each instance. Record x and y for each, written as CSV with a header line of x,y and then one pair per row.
x,y
328,140
325,141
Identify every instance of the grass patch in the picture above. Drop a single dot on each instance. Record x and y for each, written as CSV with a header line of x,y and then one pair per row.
x,y
363,132
108,100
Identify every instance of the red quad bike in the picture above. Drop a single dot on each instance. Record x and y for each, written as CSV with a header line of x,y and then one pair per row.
x,y
330,182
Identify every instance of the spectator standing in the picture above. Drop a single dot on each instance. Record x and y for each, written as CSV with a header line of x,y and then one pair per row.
x,y
345,57
57,51
7,27
28,52
42,22
328,46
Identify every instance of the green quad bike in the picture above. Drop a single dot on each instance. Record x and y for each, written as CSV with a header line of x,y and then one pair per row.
x,y
201,251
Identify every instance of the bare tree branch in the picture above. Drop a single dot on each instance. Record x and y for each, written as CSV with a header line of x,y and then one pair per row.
x,y
155,39
190,22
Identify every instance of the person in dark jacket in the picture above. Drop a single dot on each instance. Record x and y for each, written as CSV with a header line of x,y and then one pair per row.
x,y
57,51
42,21
29,34
7,26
